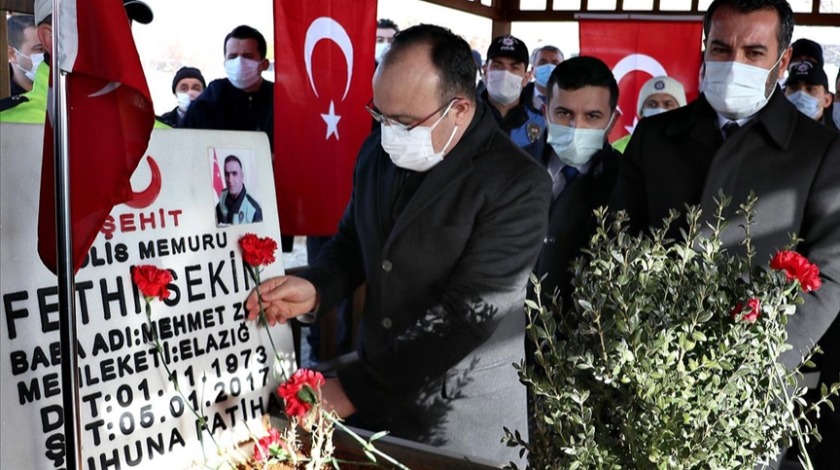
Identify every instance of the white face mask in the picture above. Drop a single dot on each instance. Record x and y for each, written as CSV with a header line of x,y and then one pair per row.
x,y
380,49
835,113
184,99
503,87
413,149
36,60
648,112
736,90
805,103
576,147
243,73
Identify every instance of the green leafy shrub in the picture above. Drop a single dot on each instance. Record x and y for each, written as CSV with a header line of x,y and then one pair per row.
x,y
667,359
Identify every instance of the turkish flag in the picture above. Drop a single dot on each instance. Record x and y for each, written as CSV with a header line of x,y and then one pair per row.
x,y
218,184
637,50
325,55
110,120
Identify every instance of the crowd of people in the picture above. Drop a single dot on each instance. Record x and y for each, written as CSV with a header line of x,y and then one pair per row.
x,y
480,172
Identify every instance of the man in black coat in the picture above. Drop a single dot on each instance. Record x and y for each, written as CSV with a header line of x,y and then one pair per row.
x,y
243,101
790,161
582,96
444,225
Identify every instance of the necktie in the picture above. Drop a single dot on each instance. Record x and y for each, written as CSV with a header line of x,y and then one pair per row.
x,y
729,129
570,173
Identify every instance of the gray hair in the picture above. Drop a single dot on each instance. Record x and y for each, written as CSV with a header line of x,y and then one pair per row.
x,y
548,48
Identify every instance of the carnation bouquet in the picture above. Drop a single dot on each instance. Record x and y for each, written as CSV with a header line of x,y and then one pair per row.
x,y
306,438
668,357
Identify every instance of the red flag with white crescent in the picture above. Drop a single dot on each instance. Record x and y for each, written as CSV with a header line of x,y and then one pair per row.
x,y
110,120
218,184
326,48
637,50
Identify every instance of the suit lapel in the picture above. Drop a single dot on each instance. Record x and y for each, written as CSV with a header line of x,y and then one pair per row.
x,y
772,128
385,174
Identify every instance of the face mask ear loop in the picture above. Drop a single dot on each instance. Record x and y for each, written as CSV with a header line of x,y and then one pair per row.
x,y
452,135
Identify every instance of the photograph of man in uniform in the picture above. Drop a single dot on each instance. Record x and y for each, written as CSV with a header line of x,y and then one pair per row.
x,y
235,205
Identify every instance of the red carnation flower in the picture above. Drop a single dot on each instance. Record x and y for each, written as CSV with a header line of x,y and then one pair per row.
x,y
752,314
797,267
151,280
263,448
257,251
301,391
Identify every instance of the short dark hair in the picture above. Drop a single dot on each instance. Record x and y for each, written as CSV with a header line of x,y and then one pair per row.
x,y
782,8
247,32
450,54
385,23
583,71
232,158
17,25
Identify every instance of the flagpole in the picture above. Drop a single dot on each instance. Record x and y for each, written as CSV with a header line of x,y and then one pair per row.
x,y
64,258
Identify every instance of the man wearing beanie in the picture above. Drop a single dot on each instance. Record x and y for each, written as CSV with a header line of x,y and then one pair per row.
x,y
506,74
186,86
659,94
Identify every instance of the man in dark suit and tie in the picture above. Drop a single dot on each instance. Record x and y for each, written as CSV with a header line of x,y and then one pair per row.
x,y
444,225
580,113
742,135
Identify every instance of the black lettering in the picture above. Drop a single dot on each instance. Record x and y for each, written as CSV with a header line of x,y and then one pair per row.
x,y
191,297
174,291
178,246
91,398
147,250
221,239
105,462
106,369
55,449
109,297
121,252
215,278
46,308
94,427
29,394
163,247
52,386
176,438
13,314
238,312
81,290
207,241
233,268
52,418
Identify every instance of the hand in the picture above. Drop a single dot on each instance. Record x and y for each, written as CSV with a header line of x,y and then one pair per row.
x,y
334,399
283,298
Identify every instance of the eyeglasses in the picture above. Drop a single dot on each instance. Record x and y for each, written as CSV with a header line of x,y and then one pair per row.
x,y
383,119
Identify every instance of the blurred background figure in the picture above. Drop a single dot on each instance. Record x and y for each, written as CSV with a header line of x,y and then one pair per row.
x,y
657,95
25,52
186,86
543,61
506,74
807,88
385,31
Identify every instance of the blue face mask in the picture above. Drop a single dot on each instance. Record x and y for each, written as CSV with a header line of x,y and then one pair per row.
x,y
805,103
542,74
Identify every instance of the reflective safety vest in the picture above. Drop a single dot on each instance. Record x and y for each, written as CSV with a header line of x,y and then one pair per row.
x,y
31,107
